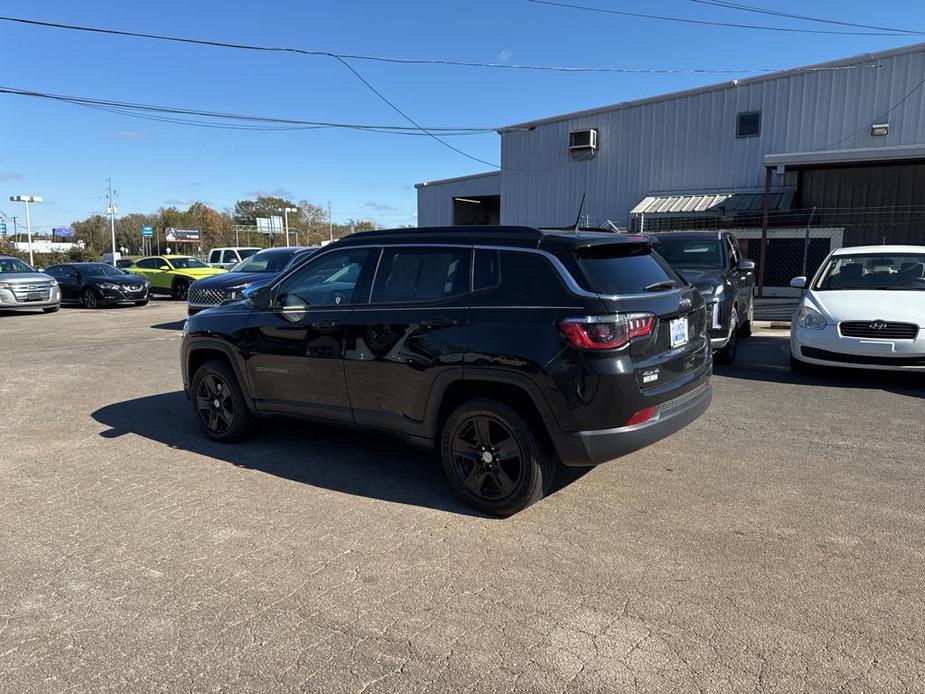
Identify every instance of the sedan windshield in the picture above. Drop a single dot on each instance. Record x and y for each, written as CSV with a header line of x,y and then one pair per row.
x,y
100,270
886,271
183,263
266,261
13,265
690,253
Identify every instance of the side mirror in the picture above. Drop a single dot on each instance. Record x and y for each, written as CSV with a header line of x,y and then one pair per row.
x,y
798,283
259,297
745,265
164,268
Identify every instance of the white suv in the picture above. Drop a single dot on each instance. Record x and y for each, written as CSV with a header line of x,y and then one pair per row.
x,y
227,258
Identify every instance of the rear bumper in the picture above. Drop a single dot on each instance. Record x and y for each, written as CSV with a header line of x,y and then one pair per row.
x,y
587,448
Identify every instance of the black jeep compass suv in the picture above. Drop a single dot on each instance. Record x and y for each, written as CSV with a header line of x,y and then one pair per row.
x,y
507,349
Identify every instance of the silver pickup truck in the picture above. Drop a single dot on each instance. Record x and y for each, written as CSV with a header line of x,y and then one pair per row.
x,y
22,288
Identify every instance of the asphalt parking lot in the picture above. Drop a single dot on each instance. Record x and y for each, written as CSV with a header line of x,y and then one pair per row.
x,y
776,545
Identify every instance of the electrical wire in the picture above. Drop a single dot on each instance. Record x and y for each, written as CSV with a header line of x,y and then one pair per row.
x,y
881,119
789,15
382,59
239,121
734,25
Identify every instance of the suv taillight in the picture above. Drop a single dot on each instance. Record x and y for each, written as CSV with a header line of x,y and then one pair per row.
x,y
606,332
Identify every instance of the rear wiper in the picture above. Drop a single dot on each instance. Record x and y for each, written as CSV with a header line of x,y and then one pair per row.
x,y
659,286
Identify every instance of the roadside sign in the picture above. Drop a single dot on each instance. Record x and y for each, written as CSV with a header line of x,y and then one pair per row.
x,y
2,228
147,231
269,225
182,235
62,231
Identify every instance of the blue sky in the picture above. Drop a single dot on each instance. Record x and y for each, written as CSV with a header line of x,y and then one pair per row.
x,y
65,153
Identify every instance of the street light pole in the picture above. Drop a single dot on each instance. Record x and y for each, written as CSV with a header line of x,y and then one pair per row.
x,y
286,211
111,209
25,200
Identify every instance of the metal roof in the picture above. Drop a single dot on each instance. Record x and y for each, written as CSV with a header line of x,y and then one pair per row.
x,y
856,60
718,203
470,177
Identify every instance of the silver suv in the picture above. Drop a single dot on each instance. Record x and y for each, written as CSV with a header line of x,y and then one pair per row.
x,y
21,287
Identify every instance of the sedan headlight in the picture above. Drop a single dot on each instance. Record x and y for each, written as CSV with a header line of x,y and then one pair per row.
x,y
713,292
108,285
4,285
810,318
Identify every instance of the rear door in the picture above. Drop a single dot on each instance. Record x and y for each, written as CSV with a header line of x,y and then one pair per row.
x,y
410,333
295,349
744,281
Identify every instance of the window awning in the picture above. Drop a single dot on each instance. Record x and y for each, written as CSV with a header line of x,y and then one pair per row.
x,y
713,204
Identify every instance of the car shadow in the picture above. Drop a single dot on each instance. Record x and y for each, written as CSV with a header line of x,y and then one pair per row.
x,y
172,325
346,461
767,358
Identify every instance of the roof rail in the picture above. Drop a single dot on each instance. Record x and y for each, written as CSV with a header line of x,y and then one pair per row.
x,y
457,229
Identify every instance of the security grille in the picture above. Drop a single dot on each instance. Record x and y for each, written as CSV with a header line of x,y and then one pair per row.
x,y
879,329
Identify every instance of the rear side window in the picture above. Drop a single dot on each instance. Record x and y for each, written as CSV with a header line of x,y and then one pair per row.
x,y
421,274
229,257
214,256
622,268
513,278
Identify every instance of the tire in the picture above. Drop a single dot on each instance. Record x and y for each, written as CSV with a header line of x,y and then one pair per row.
x,y
229,421
520,469
727,354
181,290
89,299
141,303
51,309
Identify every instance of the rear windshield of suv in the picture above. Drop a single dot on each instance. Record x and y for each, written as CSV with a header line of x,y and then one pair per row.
x,y
624,268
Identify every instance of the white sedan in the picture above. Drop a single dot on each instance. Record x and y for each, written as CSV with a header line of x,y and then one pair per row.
x,y
865,308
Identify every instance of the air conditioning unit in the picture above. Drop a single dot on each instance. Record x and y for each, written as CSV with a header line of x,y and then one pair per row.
x,y
582,140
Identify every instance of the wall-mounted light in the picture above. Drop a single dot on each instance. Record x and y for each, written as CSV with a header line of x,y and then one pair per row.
x,y
879,129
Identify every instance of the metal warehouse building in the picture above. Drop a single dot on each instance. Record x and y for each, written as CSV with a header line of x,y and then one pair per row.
x,y
834,152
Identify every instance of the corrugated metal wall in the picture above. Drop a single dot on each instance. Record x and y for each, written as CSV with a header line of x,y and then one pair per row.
x,y
435,200
689,142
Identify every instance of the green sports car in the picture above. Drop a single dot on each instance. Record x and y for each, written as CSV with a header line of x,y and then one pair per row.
x,y
171,274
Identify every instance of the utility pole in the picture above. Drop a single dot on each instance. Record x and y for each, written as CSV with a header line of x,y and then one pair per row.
x,y
111,209
330,223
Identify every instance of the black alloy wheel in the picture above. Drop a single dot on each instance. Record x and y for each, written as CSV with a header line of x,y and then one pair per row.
x,y
493,458
219,403
487,457
89,299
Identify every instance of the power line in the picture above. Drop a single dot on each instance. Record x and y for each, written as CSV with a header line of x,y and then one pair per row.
x,y
411,120
789,15
238,120
686,20
389,59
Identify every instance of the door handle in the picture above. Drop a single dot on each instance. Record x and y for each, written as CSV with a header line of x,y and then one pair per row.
x,y
438,322
325,324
